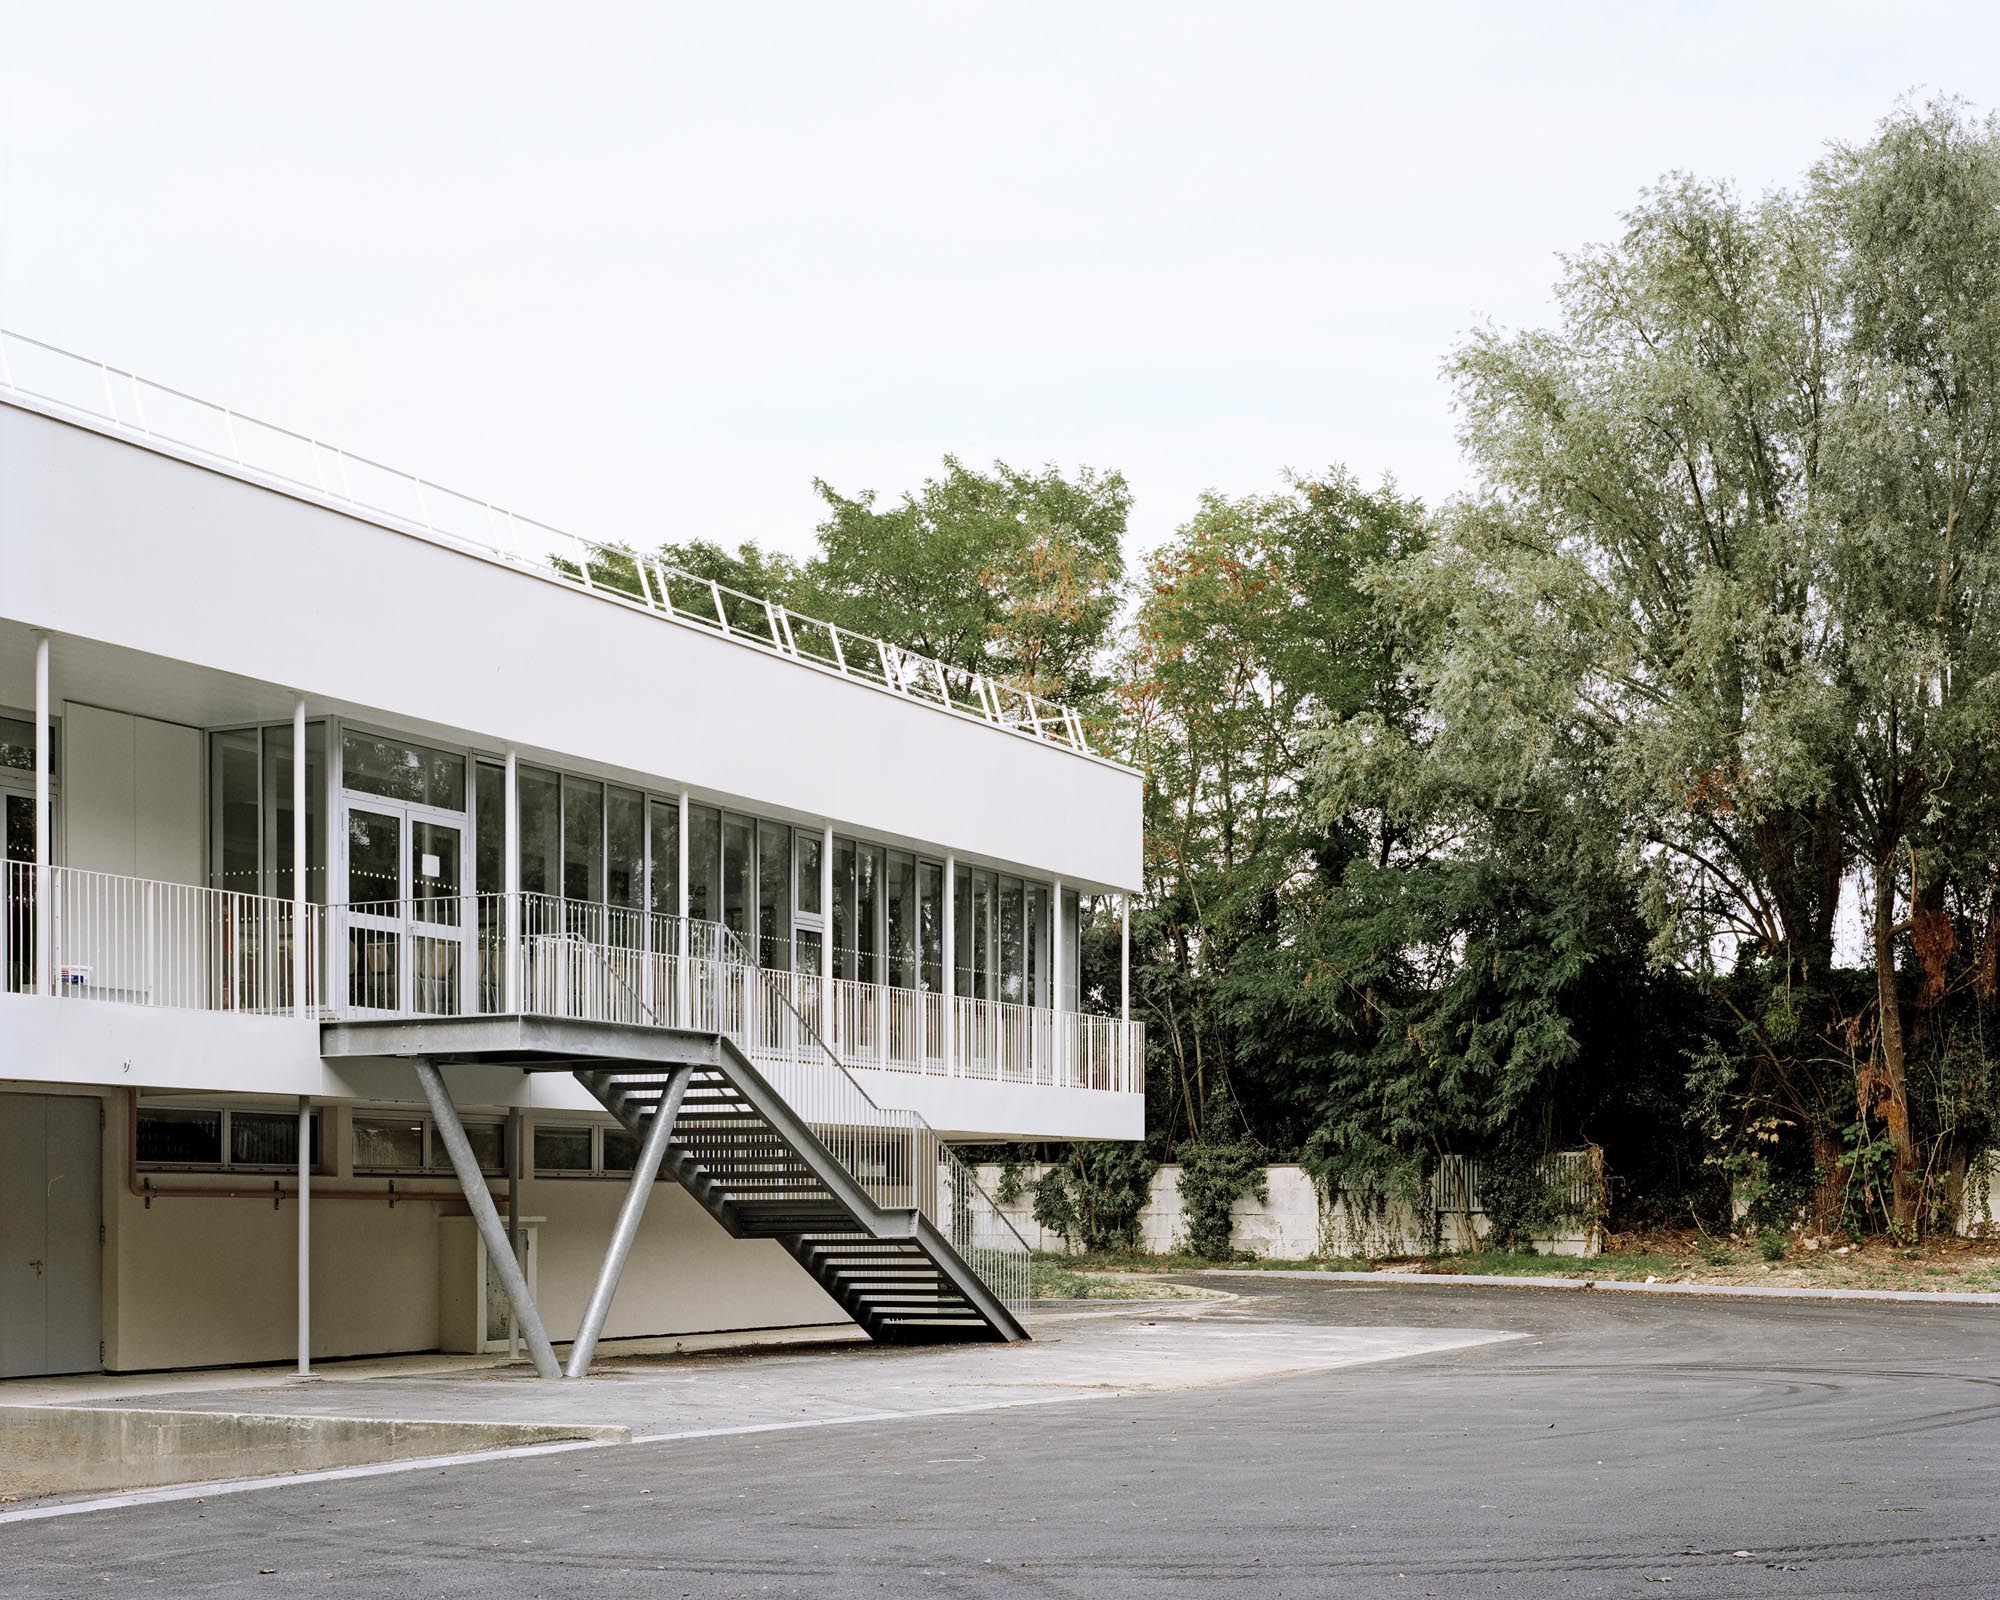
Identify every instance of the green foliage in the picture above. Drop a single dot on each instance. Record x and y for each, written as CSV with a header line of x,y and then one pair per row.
x,y
1217,1170
1093,1196
1015,573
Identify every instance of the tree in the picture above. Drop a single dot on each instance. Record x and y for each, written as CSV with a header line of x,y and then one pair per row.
x,y
1011,573
1731,581
1251,629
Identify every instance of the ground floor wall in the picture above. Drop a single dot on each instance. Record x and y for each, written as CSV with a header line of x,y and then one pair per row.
x,y
198,1279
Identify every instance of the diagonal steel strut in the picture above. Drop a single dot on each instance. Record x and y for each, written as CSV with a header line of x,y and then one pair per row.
x,y
651,1153
487,1218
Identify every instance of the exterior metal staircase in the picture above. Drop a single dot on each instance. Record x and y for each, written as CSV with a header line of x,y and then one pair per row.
x,y
760,1170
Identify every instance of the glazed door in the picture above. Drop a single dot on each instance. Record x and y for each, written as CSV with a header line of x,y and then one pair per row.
x,y
407,912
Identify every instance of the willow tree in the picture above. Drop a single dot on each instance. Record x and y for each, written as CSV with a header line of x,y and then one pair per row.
x,y
1732,576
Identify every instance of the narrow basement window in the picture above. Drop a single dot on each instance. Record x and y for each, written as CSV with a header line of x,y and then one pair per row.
x,y
171,1138
562,1149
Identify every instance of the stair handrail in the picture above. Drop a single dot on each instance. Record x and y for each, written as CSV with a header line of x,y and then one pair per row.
x,y
969,1203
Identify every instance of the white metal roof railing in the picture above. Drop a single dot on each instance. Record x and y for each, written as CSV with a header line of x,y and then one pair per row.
x,y
152,411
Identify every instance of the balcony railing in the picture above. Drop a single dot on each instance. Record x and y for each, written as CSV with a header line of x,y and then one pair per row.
x,y
917,1031
150,412
143,943
140,942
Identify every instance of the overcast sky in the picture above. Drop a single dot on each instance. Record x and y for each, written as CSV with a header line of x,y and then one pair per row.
x,y
646,271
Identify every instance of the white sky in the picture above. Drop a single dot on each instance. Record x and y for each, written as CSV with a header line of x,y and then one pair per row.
x,y
645,271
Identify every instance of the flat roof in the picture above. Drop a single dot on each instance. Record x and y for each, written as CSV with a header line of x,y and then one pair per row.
x,y
44,377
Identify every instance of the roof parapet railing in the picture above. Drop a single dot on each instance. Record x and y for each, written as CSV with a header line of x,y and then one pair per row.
x,y
159,413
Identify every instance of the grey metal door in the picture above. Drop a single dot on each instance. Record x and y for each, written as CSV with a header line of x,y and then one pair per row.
x,y
51,1204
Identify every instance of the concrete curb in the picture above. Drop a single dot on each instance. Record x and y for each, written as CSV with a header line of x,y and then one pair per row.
x,y
1742,1291
70,1449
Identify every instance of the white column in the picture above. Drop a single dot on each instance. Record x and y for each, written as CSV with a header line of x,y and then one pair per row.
x,y
1056,986
299,924
951,964
683,994
44,841
514,1215
681,866
510,879
1125,991
826,935
305,1232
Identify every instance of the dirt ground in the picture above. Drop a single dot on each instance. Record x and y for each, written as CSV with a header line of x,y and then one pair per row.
x,y
1828,1262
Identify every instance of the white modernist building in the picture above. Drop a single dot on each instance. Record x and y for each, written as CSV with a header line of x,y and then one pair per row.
x,y
413,915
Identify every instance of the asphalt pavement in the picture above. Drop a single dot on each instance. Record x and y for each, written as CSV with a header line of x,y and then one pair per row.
x,y
1621,1445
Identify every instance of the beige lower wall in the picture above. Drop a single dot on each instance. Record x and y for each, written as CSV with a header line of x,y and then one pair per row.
x,y
192,1280
211,1281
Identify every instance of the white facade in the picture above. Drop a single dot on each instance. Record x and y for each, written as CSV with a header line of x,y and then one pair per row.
x,y
525,788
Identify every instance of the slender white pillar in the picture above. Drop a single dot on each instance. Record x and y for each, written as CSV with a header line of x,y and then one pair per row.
x,y
514,1215
299,925
1125,991
681,866
305,1231
1056,985
510,880
683,990
44,841
826,935
951,965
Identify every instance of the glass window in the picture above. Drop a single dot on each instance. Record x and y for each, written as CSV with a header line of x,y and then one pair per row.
x,y
961,935
17,745
625,848
233,770
621,1150
560,1148
179,1138
809,950
666,852
270,1139
541,832
489,836
739,884
374,856
1011,948
868,877
774,906
930,919
845,958
810,846
583,840
489,877
982,934
704,863
388,767
900,900
1038,944
489,1148
1069,959
388,1144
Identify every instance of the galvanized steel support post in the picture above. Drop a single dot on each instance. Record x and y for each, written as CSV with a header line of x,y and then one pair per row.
x,y
658,1132
487,1219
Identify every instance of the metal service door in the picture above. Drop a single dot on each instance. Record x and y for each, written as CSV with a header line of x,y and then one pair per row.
x,y
51,1204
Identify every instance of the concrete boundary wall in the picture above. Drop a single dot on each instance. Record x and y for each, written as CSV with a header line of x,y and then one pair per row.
x,y
1292,1223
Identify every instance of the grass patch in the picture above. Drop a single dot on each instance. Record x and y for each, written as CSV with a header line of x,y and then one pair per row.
x,y
1053,1278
